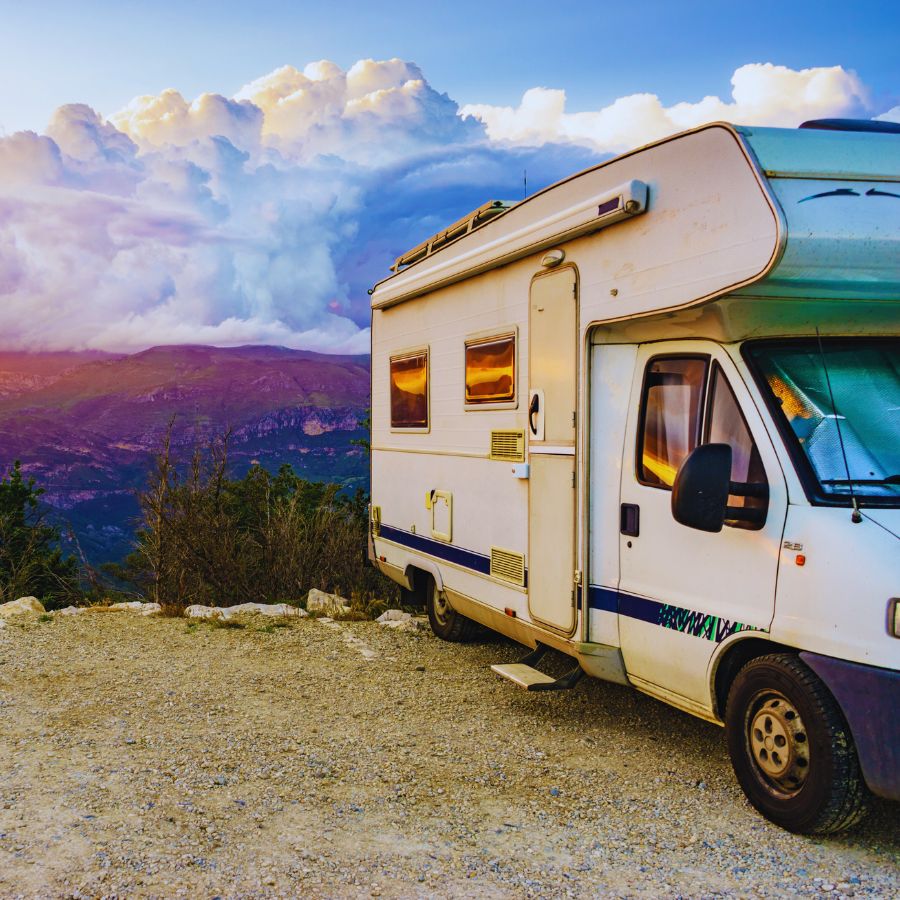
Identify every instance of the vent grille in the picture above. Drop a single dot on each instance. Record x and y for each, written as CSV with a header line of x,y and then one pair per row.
x,y
508,445
508,565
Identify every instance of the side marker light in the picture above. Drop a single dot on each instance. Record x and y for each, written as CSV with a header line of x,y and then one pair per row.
x,y
893,621
800,559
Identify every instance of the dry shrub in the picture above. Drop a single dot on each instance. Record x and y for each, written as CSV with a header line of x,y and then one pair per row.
x,y
218,541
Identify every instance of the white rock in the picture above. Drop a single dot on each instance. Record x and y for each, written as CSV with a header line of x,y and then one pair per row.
x,y
22,606
196,611
71,610
401,621
242,609
145,609
264,609
329,604
393,615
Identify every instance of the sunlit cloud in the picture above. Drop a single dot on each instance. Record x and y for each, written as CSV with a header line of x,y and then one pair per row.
x,y
263,218
762,94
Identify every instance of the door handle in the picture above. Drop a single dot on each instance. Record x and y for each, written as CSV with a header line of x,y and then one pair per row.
x,y
630,519
533,409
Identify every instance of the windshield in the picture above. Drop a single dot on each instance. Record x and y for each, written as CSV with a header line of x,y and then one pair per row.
x,y
848,430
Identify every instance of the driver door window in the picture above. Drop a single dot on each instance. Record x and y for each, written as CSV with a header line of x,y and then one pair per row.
x,y
684,405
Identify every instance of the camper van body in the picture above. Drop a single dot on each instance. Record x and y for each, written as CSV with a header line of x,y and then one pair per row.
x,y
539,379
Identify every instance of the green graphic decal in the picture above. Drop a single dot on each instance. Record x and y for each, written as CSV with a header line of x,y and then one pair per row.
x,y
699,624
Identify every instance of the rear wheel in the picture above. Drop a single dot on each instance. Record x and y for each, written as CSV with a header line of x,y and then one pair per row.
x,y
445,621
791,748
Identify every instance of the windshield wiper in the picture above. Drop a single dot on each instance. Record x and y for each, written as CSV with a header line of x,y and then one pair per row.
x,y
891,479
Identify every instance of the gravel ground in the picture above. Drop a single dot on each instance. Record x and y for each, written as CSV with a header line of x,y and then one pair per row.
x,y
153,757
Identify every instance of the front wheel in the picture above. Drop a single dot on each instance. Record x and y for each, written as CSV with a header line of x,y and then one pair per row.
x,y
445,621
791,748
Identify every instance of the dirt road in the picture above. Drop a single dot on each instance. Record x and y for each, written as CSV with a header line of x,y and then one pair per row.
x,y
152,757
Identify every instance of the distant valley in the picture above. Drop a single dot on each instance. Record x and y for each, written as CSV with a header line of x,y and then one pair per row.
x,y
86,425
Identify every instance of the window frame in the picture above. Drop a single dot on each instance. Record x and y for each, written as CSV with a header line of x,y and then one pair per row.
x,y
408,353
639,443
487,336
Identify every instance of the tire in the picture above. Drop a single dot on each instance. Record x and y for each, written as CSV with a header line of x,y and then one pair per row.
x,y
446,622
791,748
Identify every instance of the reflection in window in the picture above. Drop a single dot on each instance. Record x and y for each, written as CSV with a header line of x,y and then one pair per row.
x,y
841,399
673,392
491,370
726,426
409,390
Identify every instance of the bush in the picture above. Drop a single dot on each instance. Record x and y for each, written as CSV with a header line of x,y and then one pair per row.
x,y
31,560
207,538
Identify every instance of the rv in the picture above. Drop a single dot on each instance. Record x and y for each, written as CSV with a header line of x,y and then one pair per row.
x,y
650,417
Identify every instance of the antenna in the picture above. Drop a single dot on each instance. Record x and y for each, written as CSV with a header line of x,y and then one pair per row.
x,y
524,183
856,515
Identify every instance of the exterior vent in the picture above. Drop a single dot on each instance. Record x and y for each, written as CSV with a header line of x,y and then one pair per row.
x,y
508,565
508,445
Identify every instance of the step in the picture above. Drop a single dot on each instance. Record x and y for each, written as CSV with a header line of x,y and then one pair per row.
x,y
524,675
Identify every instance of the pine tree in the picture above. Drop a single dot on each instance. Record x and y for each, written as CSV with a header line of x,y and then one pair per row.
x,y
31,560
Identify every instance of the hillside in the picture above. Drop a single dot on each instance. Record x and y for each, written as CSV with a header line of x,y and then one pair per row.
x,y
85,426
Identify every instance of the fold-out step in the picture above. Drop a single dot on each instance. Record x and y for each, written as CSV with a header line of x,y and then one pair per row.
x,y
526,676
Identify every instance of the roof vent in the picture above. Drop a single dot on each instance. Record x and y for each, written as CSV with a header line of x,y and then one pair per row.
x,y
871,125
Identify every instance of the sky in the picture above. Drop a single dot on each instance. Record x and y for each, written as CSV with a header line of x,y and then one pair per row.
x,y
240,173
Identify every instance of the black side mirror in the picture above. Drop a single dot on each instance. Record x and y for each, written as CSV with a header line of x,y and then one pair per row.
x,y
700,492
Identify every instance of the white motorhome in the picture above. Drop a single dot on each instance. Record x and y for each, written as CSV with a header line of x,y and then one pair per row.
x,y
650,417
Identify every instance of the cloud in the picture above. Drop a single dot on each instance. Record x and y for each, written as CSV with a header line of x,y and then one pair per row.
x,y
264,217
762,94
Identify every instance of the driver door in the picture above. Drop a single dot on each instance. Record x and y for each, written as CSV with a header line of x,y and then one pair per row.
x,y
683,591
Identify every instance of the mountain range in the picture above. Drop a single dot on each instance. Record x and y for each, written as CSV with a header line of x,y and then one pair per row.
x,y
86,425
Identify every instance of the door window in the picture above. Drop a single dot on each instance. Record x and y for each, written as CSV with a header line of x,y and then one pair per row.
x,y
673,423
725,425
671,414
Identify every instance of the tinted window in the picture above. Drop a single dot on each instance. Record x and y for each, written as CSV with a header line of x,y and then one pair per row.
x,y
726,425
409,390
672,404
491,370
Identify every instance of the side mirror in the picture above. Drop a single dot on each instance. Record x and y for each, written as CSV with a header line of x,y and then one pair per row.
x,y
700,491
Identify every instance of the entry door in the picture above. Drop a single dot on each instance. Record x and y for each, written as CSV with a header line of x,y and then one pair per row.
x,y
684,591
552,399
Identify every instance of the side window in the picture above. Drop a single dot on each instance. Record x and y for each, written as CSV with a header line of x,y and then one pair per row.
x,y
409,390
725,425
671,406
491,369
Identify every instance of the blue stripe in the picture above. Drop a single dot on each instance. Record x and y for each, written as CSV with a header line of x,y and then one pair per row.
x,y
606,599
676,618
466,558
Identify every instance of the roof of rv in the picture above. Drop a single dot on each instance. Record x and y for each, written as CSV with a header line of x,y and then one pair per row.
x,y
773,153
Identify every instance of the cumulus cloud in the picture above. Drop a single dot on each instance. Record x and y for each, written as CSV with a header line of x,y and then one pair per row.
x,y
263,217
762,94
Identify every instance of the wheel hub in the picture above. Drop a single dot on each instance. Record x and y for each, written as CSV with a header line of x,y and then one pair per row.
x,y
441,606
778,743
